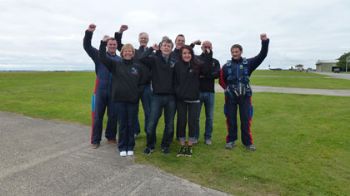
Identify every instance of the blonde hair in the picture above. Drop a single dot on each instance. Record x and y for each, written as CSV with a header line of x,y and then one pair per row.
x,y
127,46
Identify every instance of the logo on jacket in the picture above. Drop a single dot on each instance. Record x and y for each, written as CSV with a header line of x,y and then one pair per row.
x,y
134,71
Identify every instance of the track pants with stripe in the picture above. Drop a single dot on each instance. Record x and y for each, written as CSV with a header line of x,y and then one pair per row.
x,y
244,104
101,100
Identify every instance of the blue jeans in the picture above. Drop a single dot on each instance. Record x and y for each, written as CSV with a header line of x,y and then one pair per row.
x,y
146,104
158,103
126,113
208,99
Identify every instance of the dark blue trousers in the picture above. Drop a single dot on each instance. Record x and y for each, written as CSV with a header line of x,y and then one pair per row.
x,y
101,100
244,103
126,112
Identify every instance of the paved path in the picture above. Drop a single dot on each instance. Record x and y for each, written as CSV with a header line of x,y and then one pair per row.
x,y
40,157
335,75
304,91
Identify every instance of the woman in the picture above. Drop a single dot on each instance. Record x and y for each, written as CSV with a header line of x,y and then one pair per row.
x,y
187,73
127,78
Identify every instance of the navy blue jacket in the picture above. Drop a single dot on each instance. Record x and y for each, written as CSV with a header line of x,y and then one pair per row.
x,y
102,73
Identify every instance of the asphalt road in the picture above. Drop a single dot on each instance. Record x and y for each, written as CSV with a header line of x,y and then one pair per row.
x,y
41,157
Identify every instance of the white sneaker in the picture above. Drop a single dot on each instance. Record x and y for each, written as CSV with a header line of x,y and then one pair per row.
x,y
122,153
130,153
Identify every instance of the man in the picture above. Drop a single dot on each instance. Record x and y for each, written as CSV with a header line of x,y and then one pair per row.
x,y
179,43
147,93
234,78
162,73
101,100
207,92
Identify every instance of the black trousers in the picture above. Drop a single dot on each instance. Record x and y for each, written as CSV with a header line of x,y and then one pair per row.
x,y
187,113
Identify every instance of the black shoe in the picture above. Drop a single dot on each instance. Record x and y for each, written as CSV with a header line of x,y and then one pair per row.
x,y
250,147
166,150
181,152
147,151
188,152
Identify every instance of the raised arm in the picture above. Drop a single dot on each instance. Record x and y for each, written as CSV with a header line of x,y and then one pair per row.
x,y
147,57
91,51
197,42
215,71
257,60
103,56
118,36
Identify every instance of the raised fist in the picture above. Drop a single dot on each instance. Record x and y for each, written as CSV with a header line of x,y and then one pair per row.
x,y
123,28
155,47
263,37
197,42
105,38
91,27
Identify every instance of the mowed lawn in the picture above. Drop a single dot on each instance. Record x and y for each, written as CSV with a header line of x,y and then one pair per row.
x,y
297,79
302,141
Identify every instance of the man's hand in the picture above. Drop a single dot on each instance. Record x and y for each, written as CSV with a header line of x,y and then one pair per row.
x,y
263,37
91,27
155,47
208,51
197,42
105,38
123,28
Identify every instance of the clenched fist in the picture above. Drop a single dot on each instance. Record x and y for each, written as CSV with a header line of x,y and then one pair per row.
x,y
91,27
197,42
263,37
105,38
155,47
123,28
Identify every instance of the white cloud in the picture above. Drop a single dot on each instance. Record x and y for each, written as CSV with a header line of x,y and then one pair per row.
x,y
49,33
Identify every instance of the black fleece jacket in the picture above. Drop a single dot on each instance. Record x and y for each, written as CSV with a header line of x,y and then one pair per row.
x,y
211,68
127,77
162,72
187,80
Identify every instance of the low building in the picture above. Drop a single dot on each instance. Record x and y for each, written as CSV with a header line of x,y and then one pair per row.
x,y
325,65
299,67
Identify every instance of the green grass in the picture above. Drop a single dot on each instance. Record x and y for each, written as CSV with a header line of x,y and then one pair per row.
x,y
297,79
302,141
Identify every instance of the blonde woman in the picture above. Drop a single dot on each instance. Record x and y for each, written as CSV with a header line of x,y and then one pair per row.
x,y
127,80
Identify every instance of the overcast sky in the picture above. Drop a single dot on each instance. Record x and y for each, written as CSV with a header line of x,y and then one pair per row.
x,y
47,35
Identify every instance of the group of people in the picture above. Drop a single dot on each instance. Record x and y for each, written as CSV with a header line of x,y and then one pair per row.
x,y
173,81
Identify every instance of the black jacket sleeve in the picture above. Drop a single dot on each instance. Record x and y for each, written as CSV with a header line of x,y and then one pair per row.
x,y
257,60
209,70
215,69
104,59
147,58
118,36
